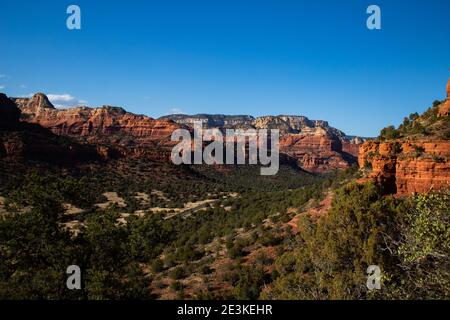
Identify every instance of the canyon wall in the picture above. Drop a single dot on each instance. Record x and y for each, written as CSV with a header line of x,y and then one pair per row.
x,y
21,141
418,160
85,121
409,166
315,145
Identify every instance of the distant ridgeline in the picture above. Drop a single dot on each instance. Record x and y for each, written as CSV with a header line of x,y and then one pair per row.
x,y
315,145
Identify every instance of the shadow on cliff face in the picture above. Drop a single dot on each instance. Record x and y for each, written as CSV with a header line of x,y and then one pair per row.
x,y
22,141
351,159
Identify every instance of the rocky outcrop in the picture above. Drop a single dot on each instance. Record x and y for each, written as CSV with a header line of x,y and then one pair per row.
x,y
316,146
85,122
316,153
285,123
220,121
412,163
444,109
351,147
409,166
38,101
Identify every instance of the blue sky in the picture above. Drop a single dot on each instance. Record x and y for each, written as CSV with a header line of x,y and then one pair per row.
x,y
312,58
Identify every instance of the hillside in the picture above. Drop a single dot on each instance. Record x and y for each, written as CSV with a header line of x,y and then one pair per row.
x,y
92,188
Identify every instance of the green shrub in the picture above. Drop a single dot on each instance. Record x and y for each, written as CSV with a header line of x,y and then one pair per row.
x,y
157,265
177,273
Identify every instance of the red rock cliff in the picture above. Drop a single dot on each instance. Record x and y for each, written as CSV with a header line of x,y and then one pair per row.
x,y
414,162
130,134
445,108
315,152
407,167
314,144
21,141
84,121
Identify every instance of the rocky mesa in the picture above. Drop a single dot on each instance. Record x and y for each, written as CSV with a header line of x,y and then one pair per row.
x,y
407,167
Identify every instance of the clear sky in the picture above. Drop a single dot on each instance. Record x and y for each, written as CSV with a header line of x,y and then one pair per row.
x,y
313,58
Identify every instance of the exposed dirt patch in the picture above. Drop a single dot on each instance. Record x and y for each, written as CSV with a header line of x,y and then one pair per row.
x,y
160,194
113,198
315,211
143,198
74,227
71,210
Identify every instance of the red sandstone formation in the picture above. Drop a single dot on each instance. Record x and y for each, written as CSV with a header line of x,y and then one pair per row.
x,y
130,134
407,167
24,141
84,121
445,107
404,166
315,152
352,146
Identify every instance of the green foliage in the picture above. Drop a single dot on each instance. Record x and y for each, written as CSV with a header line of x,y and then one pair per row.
x,y
206,270
419,150
157,265
409,240
177,273
332,256
368,165
36,250
424,248
396,148
236,250
176,286
249,284
34,255
327,259
426,125
429,230
389,133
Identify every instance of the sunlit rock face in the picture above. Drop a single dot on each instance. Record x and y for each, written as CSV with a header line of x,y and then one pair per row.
x,y
413,163
445,107
407,167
